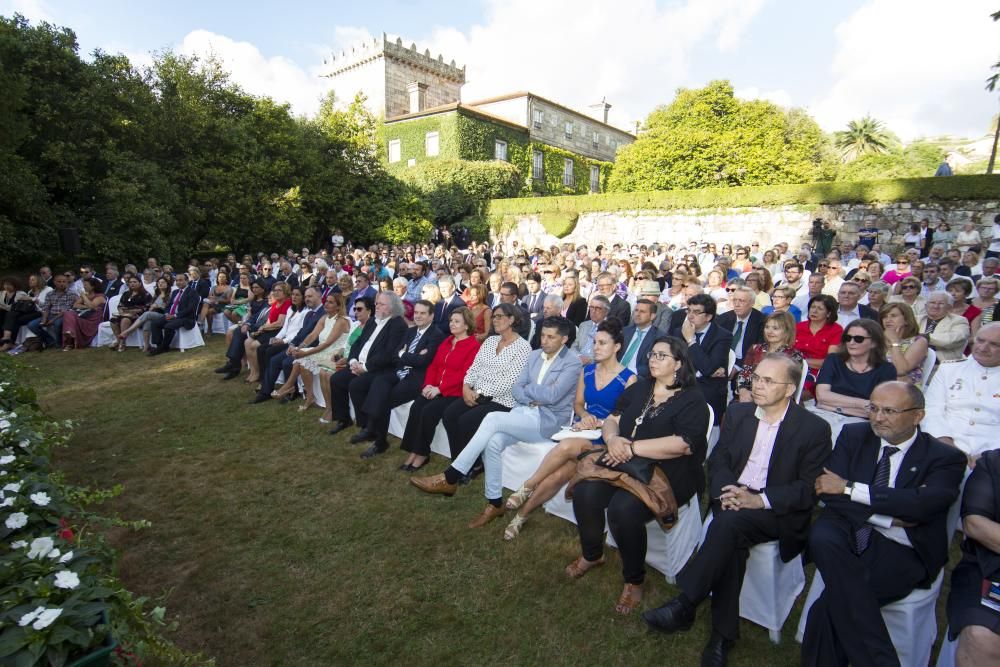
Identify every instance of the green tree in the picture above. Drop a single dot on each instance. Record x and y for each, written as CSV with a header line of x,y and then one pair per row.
x,y
708,137
919,159
862,137
991,85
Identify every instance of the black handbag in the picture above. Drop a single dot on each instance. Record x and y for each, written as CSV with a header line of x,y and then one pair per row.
x,y
23,307
637,467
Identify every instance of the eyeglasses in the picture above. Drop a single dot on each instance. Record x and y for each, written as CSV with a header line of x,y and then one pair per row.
x,y
730,289
873,410
779,296
909,286
595,307
765,382
823,266
498,316
695,312
856,339
660,356
862,280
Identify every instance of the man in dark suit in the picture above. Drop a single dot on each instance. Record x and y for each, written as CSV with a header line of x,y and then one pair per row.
x,y
639,338
708,344
620,310
361,288
508,294
450,301
534,300
745,321
403,385
551,307
276,362
374,353
761,477
847,297
883,532
199,282
112,283
181,313
670,320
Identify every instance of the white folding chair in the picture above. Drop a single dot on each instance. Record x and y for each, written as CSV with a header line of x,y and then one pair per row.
x,y
520,461
186,339
928,368
911,622
23,334
105,336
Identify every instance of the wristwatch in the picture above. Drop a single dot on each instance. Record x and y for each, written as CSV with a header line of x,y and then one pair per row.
x,y
848,488
839,410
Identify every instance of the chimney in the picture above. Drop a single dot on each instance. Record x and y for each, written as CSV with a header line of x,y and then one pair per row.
x,y
602,107
418,95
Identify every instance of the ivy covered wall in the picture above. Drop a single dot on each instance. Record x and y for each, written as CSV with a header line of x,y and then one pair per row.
x,y
411,135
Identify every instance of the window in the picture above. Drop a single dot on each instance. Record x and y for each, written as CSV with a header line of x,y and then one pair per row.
x,y
568,129
394,151
568,179
595,178
500,150
613,143
539,117
431,144
596,139
537,165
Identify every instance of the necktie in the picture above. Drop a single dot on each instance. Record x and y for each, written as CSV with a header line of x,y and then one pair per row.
x,y
404,371
863,535
177,301
736,336
931,325
697,337
633,347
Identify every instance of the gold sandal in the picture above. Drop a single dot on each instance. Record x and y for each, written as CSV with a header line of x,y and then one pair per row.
x,y
630,598
581,566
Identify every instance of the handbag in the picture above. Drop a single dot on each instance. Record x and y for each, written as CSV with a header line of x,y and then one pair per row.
x,y
637,467
23,307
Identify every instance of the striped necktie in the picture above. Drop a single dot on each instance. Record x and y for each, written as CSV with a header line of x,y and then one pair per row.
x,y
405,370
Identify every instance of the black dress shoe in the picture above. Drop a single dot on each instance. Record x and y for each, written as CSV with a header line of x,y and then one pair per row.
x,y
671,617
375,449
406,467
288,398
339,426
155,351
716,652
259,398
230,375
225,369
364,435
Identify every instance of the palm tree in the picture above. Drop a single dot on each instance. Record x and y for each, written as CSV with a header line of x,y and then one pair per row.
x,y
861,137
991,85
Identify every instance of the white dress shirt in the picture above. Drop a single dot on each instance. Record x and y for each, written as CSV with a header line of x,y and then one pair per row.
x,y
754,475
366,348
861,493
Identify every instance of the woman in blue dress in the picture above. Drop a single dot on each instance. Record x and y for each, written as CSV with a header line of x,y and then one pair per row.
x,y
597,392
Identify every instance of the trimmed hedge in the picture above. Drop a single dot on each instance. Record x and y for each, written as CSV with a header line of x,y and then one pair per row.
x,y
917,190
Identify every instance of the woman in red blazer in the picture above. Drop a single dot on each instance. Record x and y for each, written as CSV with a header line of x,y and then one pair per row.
x,y
442,387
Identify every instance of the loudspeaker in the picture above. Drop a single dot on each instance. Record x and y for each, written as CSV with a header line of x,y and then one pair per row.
x,y
69,240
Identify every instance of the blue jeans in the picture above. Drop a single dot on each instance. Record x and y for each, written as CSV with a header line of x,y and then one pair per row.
x,y
498,431
50,333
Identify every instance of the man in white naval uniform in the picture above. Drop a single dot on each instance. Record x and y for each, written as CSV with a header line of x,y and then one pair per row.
x,y
963,399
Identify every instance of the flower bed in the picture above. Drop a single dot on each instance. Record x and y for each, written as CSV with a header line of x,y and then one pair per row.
x,y
60,602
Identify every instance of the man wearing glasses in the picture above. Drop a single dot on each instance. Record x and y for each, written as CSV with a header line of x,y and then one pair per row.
x,y
709,346
583,346
883,532
761,477
619,308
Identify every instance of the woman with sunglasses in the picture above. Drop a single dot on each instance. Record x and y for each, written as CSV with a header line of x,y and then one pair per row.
x,y
741,262
909,293
846,380
893,276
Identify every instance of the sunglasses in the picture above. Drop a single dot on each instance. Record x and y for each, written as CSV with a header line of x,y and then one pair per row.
x,y
909,287
730,289
856,339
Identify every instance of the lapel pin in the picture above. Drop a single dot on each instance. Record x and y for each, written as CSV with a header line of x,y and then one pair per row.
x,y
913,469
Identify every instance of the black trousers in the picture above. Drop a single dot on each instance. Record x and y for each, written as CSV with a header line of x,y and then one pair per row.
x,y
235,351
346,386
424,417
268,350
386,392
461,422
720,563
163,331
12,321
270,372
627,518
845,623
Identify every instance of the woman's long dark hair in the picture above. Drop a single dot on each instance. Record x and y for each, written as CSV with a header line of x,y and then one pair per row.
x,y
679,351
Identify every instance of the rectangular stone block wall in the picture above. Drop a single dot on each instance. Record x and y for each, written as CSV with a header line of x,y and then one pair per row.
x,y
399,74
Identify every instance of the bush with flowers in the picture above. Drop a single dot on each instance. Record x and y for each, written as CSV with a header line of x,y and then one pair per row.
x,y
60,602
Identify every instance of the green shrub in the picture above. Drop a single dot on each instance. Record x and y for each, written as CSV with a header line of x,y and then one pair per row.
x,y
456,189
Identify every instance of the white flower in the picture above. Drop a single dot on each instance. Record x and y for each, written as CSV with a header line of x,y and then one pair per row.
x,y
4,460
20,544
54,554
16,520
40,547
46,618
24,444
30,616
41,499
66,557
67,579
7,502
13,487
4,424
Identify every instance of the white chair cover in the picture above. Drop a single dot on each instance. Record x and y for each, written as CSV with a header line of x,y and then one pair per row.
x,y
946,658
802,381
669,551
911,622
105,336
220,324
186,339
397,425
23,334
928,368
836,422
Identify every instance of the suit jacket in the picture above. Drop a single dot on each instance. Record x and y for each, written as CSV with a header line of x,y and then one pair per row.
x,y
868,313
801,449
927,484
353,296
423,355
642,354
950,337
443,310
534,309
583,337
667,319
576,312
187,309
113,288
555,395
711,354
753,334
620,310
385,348
203,287
308,324
524,331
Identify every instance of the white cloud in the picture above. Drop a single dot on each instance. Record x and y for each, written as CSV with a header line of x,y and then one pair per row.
x,y
35,10
632,52
276,76
780,96
917,65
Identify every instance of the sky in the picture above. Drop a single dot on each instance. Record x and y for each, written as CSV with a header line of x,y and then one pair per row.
x,y
918,66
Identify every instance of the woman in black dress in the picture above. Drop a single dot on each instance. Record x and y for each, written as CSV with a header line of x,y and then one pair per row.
x,y
664,418
976,625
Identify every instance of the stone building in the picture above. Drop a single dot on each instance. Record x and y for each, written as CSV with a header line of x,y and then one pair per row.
x,y
557,149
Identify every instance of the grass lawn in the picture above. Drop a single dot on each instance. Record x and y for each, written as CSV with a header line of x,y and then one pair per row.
x,y
277,545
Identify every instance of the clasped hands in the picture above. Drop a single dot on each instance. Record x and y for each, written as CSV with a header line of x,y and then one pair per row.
x,y
619,450
735,497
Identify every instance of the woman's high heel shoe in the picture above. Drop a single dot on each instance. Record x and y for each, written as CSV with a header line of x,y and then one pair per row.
x,y
513,528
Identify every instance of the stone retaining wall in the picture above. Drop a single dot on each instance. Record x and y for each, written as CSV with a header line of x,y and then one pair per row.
x,y
768,226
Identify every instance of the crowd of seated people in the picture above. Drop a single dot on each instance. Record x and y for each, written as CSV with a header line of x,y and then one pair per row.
x,y
622,350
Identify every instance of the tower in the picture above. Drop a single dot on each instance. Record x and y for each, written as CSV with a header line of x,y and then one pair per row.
x,y
396,79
